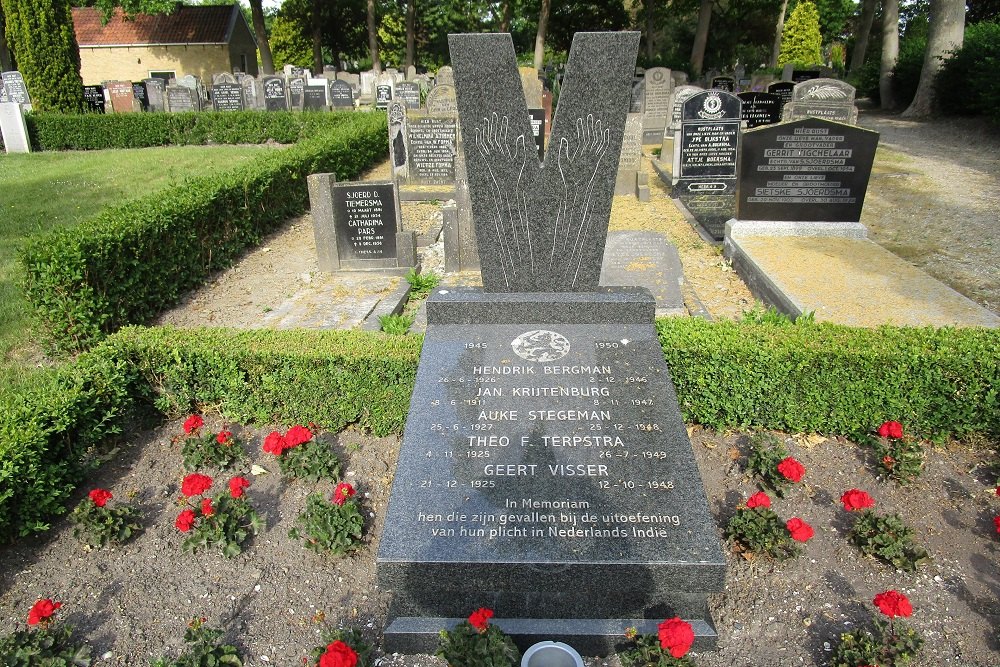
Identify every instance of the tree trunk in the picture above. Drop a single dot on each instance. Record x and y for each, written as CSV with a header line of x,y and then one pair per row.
x,y
5,63
701,37
317,37
543,24
257,11
947,32
779,28
505,12
373,37
890,51
411,21
649,30
861,36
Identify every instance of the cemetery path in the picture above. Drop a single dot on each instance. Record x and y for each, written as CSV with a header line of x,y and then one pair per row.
x,y
934,199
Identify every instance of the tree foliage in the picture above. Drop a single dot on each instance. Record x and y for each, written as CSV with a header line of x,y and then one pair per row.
x,y
41,35
801,41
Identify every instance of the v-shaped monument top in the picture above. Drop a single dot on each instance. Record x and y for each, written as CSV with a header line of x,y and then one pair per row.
x,y
541,227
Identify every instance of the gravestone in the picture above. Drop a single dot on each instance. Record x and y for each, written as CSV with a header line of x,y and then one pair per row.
x,y
398,150
544,453
156,93
808,170
786,71
760,109
411,72
341,95
409,94
677,100
431,142
537,119
227,97
223,77
141,95
630,159
357,226
705,158
822,98
783,89
800,75
296,89
532,87
383,95
460,250
93,96
275,96
637,99
547,106
445,77
13,128
122,97
314,98
656,105
441,101
182,98
367,90
14,89
726,83
649,260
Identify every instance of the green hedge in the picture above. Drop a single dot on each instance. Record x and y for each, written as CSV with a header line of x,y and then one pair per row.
x,y
130,262
833,379
798,378
967,82
93,131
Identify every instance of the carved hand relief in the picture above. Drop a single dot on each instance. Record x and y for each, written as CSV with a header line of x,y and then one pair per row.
x,y
541,226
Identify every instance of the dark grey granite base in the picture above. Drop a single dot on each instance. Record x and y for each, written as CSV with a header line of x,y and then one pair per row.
x,y
649,260
412,635
546,473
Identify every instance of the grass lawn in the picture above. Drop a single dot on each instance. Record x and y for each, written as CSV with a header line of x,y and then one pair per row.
x,y
46,191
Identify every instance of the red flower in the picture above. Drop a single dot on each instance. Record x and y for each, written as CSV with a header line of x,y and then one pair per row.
x,y
296,436
338,654
891,430
224,437
195,484
185,520
791,469
759,499
799,529
676,636
274,443
480,618
856,499
342,493
888,461
892,604
42,611
193,423
206,507
236,486
996,522
100,497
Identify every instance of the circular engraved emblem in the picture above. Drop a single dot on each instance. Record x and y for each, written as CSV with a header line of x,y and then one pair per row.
x,y
540,345
712,104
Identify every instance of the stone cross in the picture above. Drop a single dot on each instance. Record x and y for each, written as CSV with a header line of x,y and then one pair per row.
x,y
541,227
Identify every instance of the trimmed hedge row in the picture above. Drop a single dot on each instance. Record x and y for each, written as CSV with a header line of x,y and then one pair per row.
x,y
93,131
825,378
805,377
128,263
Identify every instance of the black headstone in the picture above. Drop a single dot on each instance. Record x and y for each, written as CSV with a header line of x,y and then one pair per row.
x,y
140,93
800,75
760,108
341,95
227,97
383,95
365,216
296,88
726,83
94,97
783,89
275,98
538,130
314,98
409,94
810,170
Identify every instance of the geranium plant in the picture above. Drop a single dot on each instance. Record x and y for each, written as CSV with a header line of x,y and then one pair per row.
x,y
44,641
756,529
900,455
207,449
771,465
891,645
302,457
342,647
333,525
885,537
667,648
96,523
475,642
224,521
203,649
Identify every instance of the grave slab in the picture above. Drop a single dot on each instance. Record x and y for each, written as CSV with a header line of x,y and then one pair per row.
x,y
649,260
